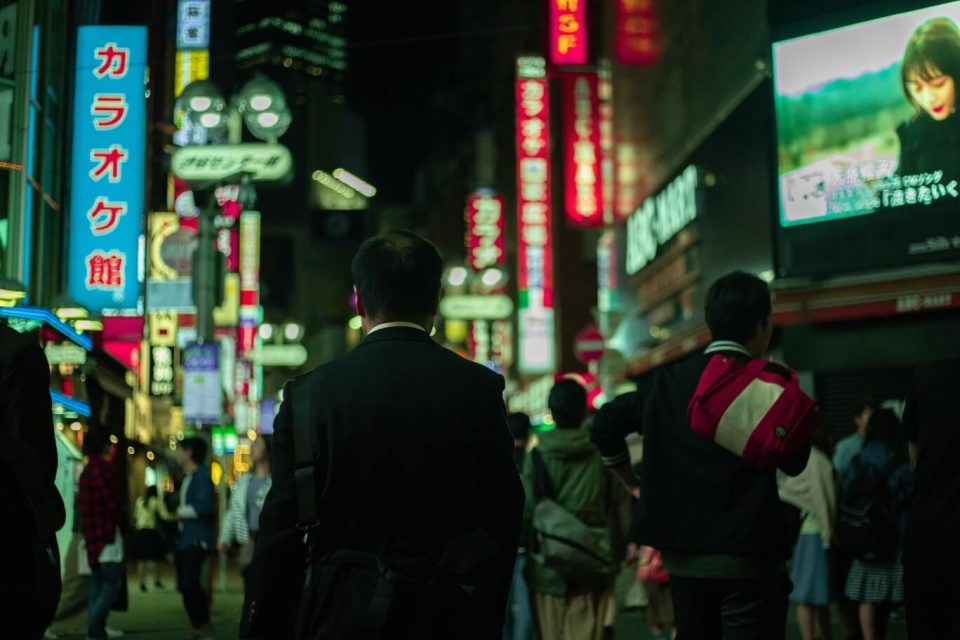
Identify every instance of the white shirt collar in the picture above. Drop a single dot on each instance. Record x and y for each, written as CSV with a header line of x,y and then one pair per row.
x,y
391,325
726,345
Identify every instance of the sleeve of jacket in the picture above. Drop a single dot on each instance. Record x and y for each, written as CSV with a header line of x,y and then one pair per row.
x,y
614,422
203,500
502,501
276,574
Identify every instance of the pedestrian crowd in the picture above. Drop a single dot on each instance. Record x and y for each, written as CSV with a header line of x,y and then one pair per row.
x,y
397,498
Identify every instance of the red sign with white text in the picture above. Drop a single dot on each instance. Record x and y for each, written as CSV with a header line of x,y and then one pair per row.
x,y
636,40
568,32
485,243
533,188
583,181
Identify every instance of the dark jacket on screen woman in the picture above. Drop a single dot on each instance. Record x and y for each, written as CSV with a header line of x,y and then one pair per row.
x,y
414,458
696,497
928,146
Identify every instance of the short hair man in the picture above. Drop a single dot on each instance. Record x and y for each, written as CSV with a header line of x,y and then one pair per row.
x,y
718,521
930,562
198,531
416,462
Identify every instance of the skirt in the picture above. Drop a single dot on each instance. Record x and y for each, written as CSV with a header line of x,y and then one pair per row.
x,y
811,572
877,583
149,545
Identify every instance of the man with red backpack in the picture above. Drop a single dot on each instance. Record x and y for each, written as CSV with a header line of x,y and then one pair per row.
x,y
716,426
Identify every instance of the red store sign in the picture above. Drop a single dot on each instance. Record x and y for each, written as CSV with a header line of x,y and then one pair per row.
x,y
568,32
636,40
582,155
485,242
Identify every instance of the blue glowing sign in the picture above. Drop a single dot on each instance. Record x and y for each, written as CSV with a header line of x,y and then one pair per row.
x,y
109,131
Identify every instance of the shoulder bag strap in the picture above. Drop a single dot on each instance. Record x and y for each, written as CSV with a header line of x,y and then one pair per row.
x,y
304,451
541,483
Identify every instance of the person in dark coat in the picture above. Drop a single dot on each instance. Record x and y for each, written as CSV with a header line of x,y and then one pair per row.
x,y
930,74
930,562
415,461
32,508
723,533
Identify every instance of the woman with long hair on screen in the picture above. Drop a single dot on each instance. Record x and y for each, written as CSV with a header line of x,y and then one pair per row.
x,y
930,74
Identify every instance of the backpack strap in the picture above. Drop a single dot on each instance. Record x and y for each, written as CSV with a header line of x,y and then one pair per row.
x,y
541,483
304,453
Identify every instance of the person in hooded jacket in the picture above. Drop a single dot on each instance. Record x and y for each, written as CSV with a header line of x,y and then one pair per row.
x,y
569,608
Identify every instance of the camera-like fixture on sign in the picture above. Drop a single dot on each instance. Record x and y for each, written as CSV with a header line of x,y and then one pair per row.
x,y
203,104
264,108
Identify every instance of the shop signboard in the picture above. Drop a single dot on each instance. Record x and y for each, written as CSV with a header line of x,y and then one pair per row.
x,y
476,307
636,32
582,156
193,24
161,370
537,351
868,173
211,163
568,32
201,384
660,218
485,224
107,174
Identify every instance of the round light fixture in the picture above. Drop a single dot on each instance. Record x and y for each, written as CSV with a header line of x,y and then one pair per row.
x,y
292,332
260,102
492,277
210,120
266,332
268,119
200,103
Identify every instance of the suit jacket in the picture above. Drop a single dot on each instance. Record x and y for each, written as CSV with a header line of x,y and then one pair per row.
x,y
199,527
414,459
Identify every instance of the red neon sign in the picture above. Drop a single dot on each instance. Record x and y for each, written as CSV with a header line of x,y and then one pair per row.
x,y
636,39
582,156
568,32
533,188
485,243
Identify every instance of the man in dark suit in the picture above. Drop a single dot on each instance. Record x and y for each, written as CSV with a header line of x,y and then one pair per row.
x,y
930,561
413,459
31,505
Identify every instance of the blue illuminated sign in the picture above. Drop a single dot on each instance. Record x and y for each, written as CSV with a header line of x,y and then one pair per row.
x,y
109,131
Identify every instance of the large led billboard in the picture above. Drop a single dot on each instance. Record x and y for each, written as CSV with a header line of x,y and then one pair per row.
x,y
868,144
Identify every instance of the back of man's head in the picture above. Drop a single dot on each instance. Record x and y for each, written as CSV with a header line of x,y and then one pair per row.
x,y
568,404
398,276
736,304
519,425
197,448
95,442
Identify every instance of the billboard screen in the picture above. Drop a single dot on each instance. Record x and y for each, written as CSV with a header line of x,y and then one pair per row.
x,y
868,144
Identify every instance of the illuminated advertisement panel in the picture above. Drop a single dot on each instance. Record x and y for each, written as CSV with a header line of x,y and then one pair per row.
x,y
535,260
107,173
867,139
582,156
568,32
485,242
635,37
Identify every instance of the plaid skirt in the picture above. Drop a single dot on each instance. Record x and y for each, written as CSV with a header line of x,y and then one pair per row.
x,y
875,582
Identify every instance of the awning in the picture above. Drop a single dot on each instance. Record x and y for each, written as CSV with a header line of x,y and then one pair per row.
x,y
873,296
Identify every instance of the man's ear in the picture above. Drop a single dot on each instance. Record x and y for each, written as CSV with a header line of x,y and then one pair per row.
x,y
360,310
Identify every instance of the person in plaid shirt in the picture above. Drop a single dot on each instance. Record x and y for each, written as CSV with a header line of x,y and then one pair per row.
x,y
102,522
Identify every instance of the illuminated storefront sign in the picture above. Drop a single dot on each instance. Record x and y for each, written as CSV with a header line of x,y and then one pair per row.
x,y
485,242
190,66
193,24
476,307
264,162
108,167
249,279
161,371
583,182
534,250
660,218
568,32
607,166
636,38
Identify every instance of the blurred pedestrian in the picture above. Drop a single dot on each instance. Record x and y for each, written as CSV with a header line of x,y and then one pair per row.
x,y
846,450
241,523
931,563
103,522
397,462
148,512
519,622
872,522
717,520
814,492
32,508
567,469
197,514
